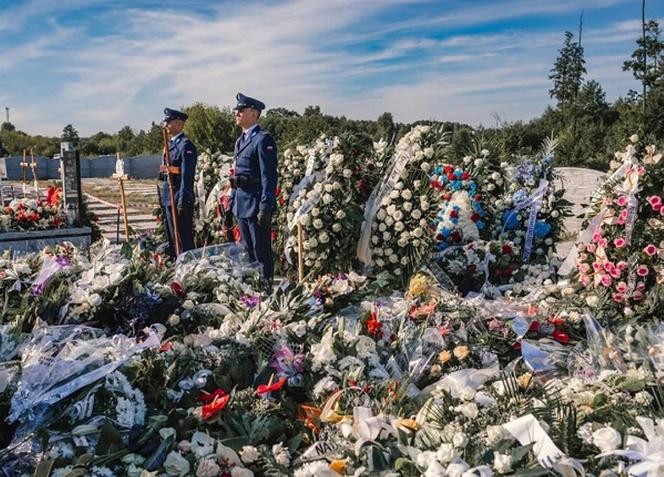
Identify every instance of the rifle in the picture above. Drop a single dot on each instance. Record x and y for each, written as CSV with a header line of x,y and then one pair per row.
x,y
171,193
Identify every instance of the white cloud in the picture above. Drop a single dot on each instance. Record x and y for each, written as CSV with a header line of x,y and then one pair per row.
x,y
298,52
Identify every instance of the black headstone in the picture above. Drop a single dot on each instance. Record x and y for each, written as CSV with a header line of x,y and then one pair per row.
x,y
70,165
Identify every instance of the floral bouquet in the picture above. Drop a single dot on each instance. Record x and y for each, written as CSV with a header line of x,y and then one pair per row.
x,y
327,206
32,214
396,233
620,254
210,224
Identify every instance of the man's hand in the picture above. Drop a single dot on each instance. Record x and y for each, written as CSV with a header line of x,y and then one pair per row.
x,y
163,168
264,219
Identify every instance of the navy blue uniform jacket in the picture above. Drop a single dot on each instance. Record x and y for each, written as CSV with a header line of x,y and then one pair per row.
x,y
257,161
183,155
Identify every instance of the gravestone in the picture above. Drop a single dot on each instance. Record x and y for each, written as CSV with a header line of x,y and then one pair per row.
x,y
70,169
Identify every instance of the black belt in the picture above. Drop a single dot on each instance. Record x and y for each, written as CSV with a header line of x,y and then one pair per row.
x,y
242,182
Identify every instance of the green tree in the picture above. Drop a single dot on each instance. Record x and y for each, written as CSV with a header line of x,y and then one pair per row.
x,y
647,61
386,127
70,134
210,128
7,126
124,138
567,72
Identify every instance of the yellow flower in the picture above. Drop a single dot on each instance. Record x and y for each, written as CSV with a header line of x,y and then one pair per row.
x,y
418,286
444,356
524,380
339,466
409,424
461,352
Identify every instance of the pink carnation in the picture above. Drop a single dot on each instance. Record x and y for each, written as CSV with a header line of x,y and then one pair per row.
x,y
621,287
608,266
642,270
602,243
615,273
650,250
585,280
618,298
640,286
607,281
621,265
637,295
623,214
584,268
621,201
619,242
597,266
597,236
591,247
581,247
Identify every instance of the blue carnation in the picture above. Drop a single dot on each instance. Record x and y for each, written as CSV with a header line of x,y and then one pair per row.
x,y
511,220
542,229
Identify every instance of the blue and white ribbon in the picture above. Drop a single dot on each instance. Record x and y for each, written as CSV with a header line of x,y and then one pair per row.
x,y
535,203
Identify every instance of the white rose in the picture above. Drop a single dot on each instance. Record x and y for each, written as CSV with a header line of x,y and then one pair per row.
x,y
207,468
398,215
389,221
398,185
386,236
428,152
469,410
478,162
340,214
404,261
175,464
94,300
407,206
329,169
555,214
425,166
329,187
402,242
407,194
374,239
393,258
416,214
315,211
634,138
318,223
459,439
418,232
424,205
380,215
241,472
382,227
318,187
347,173
336,227
607,439
281,454
394,194
457,468
446,453
365,346
398,226
323,237
327,199
502,463
380,262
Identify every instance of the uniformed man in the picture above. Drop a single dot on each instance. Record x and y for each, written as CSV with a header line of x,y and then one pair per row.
x,y
254,184
183,157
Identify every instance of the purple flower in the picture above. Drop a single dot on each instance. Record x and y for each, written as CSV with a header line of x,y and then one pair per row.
x,y
37,289
63,261
286,362
249,301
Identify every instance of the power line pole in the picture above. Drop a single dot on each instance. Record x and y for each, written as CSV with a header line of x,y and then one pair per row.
x,y
7,112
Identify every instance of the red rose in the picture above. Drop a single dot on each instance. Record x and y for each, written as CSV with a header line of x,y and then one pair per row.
x,y
177,289
475,217
448,169
465,176
456,236
451,177
534,326
560,336
507,250
454,214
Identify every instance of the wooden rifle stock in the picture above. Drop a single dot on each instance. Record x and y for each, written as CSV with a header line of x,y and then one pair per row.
x,y
171,194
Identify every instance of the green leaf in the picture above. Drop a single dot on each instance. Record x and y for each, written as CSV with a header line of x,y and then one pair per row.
x,y
110,440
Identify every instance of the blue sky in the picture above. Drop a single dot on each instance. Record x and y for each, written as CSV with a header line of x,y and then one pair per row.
x,y
100,65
